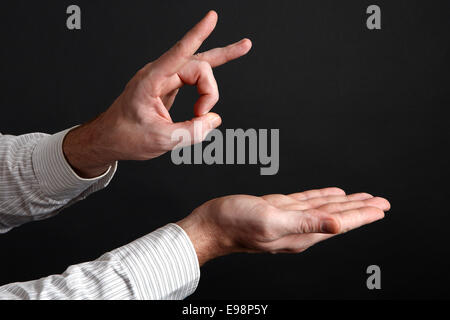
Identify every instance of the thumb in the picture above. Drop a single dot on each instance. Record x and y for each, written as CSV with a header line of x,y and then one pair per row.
x,y
193,131
310,221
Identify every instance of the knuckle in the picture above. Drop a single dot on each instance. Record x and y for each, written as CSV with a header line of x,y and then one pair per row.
x,y
305,225
141,73
308,223
205,70
204,66
361,195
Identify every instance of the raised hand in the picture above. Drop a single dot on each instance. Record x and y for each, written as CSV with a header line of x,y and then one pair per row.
x,y
138,125
278,223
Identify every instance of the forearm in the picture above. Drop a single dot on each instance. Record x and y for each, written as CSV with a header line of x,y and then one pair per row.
x,y
36,181
160,265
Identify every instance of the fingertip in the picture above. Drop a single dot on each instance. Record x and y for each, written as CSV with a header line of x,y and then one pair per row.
x,y
211,118
331,191
382,215
208,23
213,14
214,119
330,225
380,203
366,195
387,204
360,196
247,43
337,191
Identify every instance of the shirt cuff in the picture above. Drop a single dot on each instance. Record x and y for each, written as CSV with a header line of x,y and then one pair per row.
x,y
56,177
162,264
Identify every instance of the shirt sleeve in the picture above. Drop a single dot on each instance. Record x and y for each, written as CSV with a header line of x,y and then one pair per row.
x,y
36,182
161,265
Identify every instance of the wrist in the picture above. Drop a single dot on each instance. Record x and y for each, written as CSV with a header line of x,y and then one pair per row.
x,y
204,238
83,151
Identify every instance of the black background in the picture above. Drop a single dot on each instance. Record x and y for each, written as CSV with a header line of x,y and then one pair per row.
x,y
362,110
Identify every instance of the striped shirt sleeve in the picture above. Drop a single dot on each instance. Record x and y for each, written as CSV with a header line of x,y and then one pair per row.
x,y
160,265
36,182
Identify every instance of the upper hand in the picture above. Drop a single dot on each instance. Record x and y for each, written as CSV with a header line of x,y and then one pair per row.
x,y
138,125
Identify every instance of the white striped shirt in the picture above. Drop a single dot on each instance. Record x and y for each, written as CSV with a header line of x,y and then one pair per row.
x,y
36,183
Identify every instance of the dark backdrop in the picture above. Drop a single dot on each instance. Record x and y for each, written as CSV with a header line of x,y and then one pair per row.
x,y
363,110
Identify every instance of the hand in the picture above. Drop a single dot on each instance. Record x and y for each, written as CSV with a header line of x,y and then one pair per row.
x,y
138,125
277,223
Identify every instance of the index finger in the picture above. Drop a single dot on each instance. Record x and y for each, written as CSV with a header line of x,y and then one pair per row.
x,y
171,61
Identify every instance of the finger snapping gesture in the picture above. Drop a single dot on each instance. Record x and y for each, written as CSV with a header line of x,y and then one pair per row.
x,y
138,125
